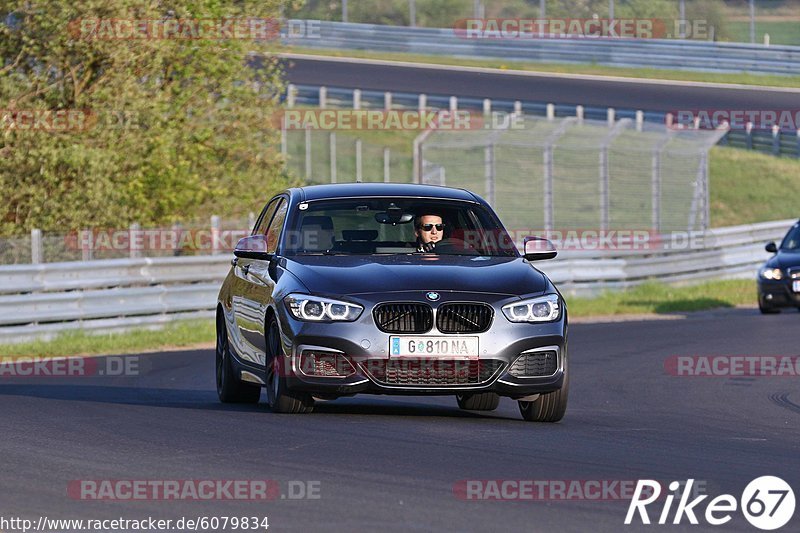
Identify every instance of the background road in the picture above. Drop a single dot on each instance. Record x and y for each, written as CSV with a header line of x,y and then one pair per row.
x,y
390,463
535,88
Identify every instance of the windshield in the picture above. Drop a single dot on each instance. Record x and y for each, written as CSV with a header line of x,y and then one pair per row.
x,y
792,239
368,226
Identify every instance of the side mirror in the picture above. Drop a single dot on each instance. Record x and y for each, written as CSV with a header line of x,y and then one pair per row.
x,y
771,248
537,249
252,247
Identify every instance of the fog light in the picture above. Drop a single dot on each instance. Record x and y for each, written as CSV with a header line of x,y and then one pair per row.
x,y
325,364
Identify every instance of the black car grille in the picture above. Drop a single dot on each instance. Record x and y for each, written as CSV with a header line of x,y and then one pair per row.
x,y
535,364
464,317
403,317
432,372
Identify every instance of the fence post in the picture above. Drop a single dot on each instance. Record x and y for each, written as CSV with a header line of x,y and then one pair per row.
x,y
517,107
387,100
387,178
308,151
323,97
134,235
453,104
356,99
548,187
290,95
284,141
332,142
579,112
358,160
776,139
422,103
488,171
487,107
748,135
610,115
86,239
639,120
551,112
37,251
215,245
251,221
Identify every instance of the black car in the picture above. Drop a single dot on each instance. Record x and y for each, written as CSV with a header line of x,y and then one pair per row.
x,y
334,294
779,278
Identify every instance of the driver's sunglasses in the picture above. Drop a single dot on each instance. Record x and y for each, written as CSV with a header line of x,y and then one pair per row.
x,y
428,227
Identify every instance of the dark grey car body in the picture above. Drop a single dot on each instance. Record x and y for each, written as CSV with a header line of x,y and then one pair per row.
x,y
774,294
252,297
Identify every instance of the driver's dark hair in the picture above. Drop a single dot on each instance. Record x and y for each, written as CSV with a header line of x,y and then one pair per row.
x,y
418,218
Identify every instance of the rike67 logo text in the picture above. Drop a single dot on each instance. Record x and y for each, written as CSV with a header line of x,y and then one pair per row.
x,y
767,503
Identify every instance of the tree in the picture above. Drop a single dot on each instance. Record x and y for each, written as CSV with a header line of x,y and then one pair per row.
x,y
169,125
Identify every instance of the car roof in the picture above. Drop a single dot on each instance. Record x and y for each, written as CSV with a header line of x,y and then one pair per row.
x,y
356,190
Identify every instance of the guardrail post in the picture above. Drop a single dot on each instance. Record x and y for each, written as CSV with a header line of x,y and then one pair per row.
x,y
422,103
215,244
487,107
37,251
358,160
551,111
639,120
134,240
776,139
488,171
387,178
323,97
387,100
579,112
332,143
356,99
308,151
517,107
748,135
611,116
453,104
291,93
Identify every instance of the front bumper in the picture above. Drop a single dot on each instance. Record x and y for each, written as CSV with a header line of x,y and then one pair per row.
x,y
774,294
367,348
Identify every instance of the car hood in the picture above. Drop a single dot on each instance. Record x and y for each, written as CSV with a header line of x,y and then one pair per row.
x,y
353,274
784,259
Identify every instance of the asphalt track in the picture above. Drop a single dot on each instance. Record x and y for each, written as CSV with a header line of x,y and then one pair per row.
x,y
587,91
386,463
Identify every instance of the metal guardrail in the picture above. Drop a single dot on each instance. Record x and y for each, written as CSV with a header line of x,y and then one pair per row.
x,y
643,53
41,300
778,142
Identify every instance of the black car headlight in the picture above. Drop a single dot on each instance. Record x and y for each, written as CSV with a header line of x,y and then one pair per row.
x,y
542,309
775,274
318,309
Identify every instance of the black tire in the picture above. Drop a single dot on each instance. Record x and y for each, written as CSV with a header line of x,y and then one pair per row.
x,y
230,388
549,407
482,401
768,310
279,397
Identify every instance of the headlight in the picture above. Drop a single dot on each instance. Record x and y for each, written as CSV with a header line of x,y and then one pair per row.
x,y
316,309
772,273
542,309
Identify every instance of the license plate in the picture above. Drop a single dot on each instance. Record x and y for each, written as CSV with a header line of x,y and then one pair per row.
x,y
406,345
796,286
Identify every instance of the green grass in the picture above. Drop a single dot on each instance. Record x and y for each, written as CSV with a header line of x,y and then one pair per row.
x,y
177,335
566,68
660,298
780,32
748,187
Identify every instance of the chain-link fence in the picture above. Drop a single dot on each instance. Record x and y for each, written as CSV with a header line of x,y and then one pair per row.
x,y
576,174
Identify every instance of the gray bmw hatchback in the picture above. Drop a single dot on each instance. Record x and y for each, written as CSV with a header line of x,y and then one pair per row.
x,y
390,289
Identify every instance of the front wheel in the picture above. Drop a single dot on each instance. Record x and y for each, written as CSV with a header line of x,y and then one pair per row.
x,y
280,398
549,407
231,389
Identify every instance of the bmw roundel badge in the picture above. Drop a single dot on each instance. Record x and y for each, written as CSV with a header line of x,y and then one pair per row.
x,y
432,296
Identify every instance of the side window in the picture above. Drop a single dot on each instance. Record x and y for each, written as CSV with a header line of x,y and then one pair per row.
x,y
274,229
266,216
